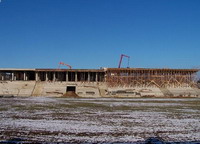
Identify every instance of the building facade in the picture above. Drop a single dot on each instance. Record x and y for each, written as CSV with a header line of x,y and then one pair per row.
x,y
106,82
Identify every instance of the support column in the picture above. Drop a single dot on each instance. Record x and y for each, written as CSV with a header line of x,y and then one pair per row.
x,y
67,79
2,78
88,76
96,78
36,76
24,76
46,76
54,76
12,78
75,76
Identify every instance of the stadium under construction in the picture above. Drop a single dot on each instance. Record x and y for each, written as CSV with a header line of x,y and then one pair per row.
x,y
104,82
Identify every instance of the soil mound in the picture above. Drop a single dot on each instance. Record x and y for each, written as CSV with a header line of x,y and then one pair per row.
x,y
70,94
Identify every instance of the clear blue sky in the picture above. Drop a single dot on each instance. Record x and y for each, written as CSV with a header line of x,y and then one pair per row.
x,y
93,33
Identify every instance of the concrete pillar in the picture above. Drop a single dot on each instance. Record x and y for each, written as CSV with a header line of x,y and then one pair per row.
x,y
46,76
54,76
2,78
67,77
76,77
24,76
36,76
96,78
88,76
12,78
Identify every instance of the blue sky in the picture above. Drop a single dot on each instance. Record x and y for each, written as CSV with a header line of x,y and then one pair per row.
x,y
93,33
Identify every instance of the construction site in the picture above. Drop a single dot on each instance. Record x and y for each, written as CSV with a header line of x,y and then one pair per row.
x,y
106,105
103,82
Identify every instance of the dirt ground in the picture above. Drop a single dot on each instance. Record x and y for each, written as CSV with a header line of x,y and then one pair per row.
x,y
48,119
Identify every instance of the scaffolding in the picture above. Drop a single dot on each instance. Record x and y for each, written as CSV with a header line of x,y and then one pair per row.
x,y
113,77
143,77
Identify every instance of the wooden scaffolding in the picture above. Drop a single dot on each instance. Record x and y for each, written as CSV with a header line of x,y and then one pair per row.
x,y
141,77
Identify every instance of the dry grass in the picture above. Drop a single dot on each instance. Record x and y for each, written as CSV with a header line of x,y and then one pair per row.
x,y
99,120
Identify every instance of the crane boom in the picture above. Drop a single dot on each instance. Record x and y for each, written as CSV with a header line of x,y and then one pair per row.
x,y
120,61
62,63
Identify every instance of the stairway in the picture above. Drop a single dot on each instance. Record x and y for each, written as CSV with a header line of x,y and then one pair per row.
x,y
197,90
26,89
38,89
198,85
102,92
166,92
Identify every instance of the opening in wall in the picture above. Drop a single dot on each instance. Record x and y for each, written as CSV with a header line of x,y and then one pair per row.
x,y
71,89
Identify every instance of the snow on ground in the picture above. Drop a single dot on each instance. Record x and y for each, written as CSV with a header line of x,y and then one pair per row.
x,y
99,120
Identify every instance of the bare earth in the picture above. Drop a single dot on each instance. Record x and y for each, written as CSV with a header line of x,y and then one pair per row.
x,y
99,120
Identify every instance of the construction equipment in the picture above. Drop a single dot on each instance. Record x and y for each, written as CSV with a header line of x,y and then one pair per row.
x,y
120,61
62,63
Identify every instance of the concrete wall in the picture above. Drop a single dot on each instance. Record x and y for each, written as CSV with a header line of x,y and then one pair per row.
x,y
90,89
59,88
134,92
185,92
17,88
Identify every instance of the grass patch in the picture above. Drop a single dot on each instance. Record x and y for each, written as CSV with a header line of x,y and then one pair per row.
x,y
3,109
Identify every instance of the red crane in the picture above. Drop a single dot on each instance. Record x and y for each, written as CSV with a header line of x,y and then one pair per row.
x,y
62,63
120,61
